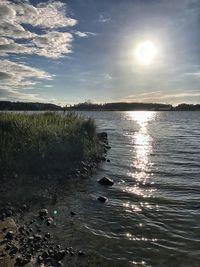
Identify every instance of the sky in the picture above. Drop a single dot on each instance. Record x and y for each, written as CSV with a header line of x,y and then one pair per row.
x,y
66,52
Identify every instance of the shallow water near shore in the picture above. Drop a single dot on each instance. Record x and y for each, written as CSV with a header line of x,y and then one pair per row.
x,y
153,211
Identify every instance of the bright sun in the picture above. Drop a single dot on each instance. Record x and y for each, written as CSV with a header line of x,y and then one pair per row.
x,y
145,52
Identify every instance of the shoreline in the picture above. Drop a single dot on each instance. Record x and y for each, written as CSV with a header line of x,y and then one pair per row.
x,y
27,221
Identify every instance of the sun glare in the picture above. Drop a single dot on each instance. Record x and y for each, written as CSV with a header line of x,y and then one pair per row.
x,y
145,52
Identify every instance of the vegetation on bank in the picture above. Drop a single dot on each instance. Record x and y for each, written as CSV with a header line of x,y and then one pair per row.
x,y
118,106
46,143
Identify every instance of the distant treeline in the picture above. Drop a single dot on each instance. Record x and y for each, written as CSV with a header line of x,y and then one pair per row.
x,y
118,106
124,106
7,105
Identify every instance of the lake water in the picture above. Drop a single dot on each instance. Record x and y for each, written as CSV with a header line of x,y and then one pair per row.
x,y
152,217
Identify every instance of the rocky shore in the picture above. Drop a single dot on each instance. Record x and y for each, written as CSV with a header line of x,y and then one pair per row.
x,y
29,240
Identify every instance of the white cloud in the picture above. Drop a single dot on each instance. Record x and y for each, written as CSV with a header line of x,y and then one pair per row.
x,y
46,38
84,34
15,75
103,18
52,44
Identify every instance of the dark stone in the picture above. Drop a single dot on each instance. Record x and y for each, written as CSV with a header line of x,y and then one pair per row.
x,y
9,212
106,181
81,253
45,254
20,261
43,213
21,229
40,259
24,207
72,213
9,235
49,221
108,160
102,135
47,235
102,199
37,237
60,255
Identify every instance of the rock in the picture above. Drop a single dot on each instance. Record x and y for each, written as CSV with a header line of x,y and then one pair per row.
x,y
40,259
102,199
37,237
72,213
9,235
21,229
102,135
81,253
107,147
47,235
24,207
49,221
60,255
20,261
106,181
45,254
43,213
9,212
108,160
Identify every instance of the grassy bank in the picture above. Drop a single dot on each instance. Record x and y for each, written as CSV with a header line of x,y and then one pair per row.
x,y
46,143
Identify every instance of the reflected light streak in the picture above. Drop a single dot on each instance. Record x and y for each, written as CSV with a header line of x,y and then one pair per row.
x,y
142,148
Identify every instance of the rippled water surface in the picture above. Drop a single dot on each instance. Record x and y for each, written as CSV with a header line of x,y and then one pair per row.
x,y
152,217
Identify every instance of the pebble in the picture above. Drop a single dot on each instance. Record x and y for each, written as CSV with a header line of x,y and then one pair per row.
x,y
102,199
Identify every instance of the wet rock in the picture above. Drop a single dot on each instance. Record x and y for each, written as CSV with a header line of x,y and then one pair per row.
x,y
20,261
60,255
40,259
81,253
9,235
106,181
102,199
37,237
43,213
4,229
24,207
9,212
22,229
47,235
45,254
72,213
49,221
108,160
102,135
31,238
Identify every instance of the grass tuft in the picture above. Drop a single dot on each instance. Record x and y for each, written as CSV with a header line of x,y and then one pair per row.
x,y
45,143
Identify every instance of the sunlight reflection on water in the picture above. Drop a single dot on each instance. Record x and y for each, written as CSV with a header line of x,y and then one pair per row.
x,y
141,150
142,144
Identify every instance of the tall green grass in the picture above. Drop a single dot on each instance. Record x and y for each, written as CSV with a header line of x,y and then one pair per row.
x,y
45,143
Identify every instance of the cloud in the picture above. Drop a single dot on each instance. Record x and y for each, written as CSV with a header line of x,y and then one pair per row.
x,y
52,44
16,75
103,18
158,96
84,34
46,37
